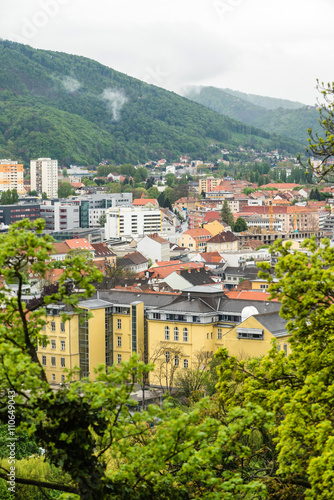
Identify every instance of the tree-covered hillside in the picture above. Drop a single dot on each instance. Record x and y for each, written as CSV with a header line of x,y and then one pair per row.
x,y
276,116
79,111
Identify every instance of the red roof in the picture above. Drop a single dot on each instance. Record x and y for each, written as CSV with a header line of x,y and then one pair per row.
x,y
164,271
81,243
281,185
144,201
212,257
249,295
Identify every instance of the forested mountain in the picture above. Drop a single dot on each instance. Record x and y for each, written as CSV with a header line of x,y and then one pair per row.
x,y
78,111
279,116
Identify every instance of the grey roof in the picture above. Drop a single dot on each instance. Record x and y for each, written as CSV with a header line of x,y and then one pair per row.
x,y
197,277
273,322
183,305
237,305
94,304
126,298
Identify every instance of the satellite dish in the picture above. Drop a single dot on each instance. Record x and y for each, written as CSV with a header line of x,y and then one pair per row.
x,y
248,311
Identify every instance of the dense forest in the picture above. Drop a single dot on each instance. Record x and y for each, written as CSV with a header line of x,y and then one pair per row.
x,y
78,111
286,118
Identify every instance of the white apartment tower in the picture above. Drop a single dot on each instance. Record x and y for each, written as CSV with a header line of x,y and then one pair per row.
x,y
44,176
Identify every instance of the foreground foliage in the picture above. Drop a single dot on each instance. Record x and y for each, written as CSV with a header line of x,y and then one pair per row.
x,y
268,433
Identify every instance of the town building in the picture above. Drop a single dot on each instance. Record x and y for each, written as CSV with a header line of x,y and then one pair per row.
x,y
60,216
14,213
165,328
11,176
154,247
222,242
44,176
132,222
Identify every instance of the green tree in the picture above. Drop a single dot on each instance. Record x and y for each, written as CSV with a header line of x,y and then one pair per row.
x,y
289,398
44,196
102,219
227,215
171,180
240,225
9,197
65,190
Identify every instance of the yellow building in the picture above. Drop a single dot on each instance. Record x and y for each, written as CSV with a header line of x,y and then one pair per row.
x,y
167,329
253,337
11,176
102,334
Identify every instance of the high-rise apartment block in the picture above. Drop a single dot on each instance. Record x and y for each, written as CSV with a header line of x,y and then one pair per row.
x,y
44,176
11,176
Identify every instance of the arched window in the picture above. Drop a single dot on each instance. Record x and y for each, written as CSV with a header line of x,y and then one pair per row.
x,y
167,333
176,334
185,334
185,363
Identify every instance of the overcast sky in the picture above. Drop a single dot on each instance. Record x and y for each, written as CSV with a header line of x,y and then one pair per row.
x,y
272,48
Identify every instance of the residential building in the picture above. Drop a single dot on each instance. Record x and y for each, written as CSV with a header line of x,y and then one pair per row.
x,y
11,176
195,239
154,247
132,222
222,242
44,176
134,261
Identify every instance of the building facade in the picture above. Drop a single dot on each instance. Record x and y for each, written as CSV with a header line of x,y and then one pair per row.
x,y
132,222
11,176
165,328
44,176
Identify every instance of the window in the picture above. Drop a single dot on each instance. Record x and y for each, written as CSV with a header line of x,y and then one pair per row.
x,y
62,362
119,358
219,334
176,360
53,361
43,344
44,360
62,345
167,333
53,377
119,324
185,334
167,356
250,333
53,326
185,363
207,335
43,328
62,327
63,378
211,335
119,341
285,347
176,334
53,344
156,315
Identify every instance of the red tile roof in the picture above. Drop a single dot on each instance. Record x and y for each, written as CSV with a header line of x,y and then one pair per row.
x,y
79,243
144,201
164,271
249,295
